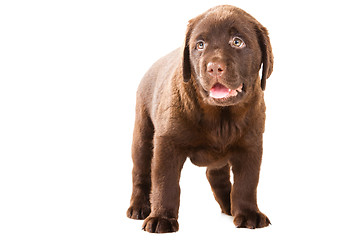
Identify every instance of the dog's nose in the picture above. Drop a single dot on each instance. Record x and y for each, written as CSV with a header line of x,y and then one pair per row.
x,y
215,69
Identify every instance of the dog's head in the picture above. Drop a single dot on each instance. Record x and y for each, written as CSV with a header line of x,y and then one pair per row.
x,y
224,50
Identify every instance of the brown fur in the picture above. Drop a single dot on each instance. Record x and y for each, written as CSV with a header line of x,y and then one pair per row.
x,y
176,119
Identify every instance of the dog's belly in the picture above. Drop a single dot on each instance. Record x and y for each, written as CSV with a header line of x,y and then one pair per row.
x,y
209,158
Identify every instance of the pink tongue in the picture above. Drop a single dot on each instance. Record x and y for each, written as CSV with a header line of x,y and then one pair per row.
x,y
219,91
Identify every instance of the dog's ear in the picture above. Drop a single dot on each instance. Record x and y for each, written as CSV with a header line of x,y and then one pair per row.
x,y
267,57
186,65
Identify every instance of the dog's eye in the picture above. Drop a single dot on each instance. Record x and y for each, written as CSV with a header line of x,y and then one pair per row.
x,y
237,42
200,45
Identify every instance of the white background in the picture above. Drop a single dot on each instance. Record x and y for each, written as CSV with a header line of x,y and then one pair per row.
x,y
68,76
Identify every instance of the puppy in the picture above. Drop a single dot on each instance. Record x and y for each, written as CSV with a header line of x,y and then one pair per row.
x,y
204,102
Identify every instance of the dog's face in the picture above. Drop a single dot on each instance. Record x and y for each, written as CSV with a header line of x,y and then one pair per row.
x,y
224,50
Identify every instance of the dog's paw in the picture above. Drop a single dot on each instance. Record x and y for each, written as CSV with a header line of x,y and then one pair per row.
x,y
138,212
251,219
160,225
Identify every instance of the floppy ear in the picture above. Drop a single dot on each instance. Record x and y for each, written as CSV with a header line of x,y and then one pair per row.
x,y
267,57
186,64
186,54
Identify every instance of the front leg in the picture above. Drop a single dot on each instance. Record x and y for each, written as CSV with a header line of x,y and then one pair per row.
x,y
246,169
165,197
219,180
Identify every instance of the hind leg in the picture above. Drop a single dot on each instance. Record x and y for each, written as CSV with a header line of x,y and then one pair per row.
x,y
142,152
219,180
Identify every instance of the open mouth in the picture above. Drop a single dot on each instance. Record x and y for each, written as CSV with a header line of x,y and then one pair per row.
x,y
220,92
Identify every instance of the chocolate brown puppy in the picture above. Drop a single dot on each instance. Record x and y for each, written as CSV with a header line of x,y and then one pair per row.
x,y
204,102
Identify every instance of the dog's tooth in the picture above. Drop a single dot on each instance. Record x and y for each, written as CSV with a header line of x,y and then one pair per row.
x,y
240,88
233,93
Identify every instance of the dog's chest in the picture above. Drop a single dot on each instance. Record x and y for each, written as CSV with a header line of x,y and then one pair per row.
x,y
214,142
220,135
221,130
